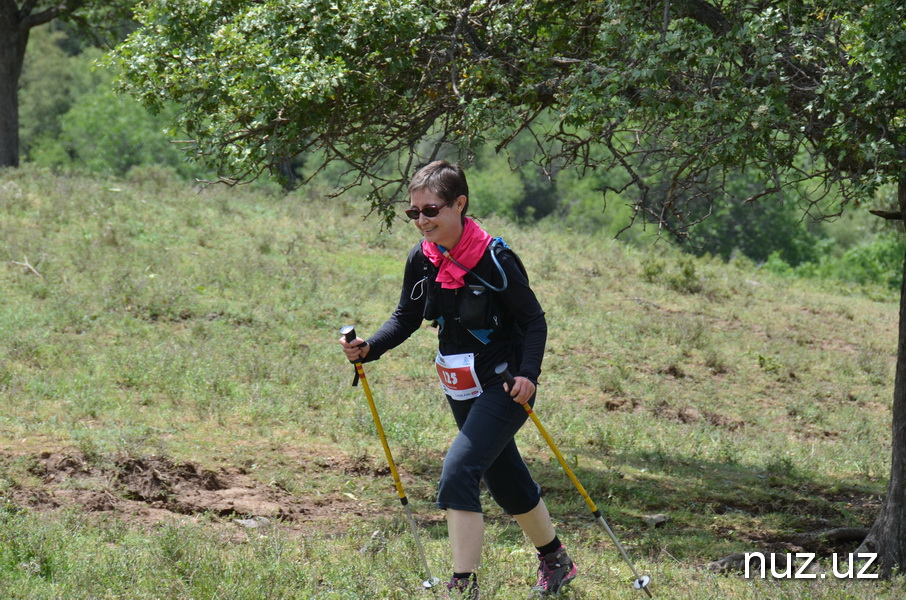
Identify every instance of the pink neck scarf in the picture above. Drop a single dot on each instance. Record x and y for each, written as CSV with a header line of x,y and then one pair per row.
x,y
467,252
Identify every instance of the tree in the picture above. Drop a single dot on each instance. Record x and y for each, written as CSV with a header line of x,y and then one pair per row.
x,y
17,19
679,95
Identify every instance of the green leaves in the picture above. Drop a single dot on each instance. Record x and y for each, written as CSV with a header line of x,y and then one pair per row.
x,y
262,81
675,104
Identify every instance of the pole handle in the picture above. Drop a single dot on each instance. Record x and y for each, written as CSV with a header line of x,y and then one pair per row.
x,y
503,370
349,333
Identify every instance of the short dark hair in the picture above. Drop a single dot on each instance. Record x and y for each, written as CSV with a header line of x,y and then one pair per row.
x,y
445,180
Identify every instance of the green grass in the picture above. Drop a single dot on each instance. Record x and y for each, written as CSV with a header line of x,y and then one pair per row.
x,y
201,326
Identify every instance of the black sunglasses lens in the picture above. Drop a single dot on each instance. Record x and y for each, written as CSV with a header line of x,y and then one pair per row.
x,y
428,211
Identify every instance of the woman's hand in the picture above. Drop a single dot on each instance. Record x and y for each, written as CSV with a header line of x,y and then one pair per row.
x,y
356,350
523,389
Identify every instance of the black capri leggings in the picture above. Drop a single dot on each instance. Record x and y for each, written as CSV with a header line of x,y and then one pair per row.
x,y
485,448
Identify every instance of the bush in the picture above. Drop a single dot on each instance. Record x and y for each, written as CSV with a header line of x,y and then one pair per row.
x,y
680,275
108,134
756,229
879,262
71,118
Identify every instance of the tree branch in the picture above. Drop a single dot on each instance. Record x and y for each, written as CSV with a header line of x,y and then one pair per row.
x,y
705,13
48,14
27,7
28,266
890,215
666,21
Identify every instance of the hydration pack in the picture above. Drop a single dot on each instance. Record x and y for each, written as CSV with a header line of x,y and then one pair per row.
x,y
477,309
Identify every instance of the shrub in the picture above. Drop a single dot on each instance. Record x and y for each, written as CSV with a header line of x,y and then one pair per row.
x,y
879,261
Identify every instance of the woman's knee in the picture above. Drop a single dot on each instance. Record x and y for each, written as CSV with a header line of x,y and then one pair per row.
x,y
516,498
458,471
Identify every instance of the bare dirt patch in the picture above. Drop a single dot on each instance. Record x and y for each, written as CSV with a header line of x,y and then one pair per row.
x,y
688,415
151,489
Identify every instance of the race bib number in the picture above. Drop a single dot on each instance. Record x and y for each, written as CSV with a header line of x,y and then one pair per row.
x,y
457,376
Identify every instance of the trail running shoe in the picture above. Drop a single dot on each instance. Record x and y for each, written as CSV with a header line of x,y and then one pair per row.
x,y
462,589
555,571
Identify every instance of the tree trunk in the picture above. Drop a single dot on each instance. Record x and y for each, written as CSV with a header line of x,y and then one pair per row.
x,y
886,537
13,40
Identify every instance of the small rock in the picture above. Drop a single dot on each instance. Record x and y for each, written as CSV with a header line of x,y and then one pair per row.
x,y
254,522
658,520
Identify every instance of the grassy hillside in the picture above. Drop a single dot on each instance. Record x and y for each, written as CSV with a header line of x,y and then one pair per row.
x,y
168,364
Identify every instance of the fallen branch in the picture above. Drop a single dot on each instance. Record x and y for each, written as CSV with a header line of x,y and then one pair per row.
x,y
838,534
737,561
28,266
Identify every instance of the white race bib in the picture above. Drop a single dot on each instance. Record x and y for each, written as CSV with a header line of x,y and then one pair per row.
x,y
457,376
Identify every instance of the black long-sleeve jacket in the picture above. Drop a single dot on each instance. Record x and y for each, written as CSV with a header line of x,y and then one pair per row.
x,y
509,328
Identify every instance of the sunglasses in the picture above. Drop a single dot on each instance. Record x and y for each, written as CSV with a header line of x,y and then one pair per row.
x,y
429,211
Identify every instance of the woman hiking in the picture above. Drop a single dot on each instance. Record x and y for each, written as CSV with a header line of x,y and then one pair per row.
x,y
475,290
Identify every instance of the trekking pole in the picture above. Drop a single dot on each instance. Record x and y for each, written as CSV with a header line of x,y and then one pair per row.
x,y
431,581
641,581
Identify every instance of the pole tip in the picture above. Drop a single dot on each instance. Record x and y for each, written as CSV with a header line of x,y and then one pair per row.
x,y
642,584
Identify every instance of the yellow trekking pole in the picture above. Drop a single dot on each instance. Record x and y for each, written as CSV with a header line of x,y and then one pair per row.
x,y
430,582
641,581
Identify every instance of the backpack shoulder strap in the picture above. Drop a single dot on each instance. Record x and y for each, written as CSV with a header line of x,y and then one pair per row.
x,y
498,247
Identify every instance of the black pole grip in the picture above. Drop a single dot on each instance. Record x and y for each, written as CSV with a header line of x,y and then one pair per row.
x,y
503,370
349,332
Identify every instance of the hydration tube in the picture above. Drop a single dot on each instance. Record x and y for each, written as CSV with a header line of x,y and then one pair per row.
x,y
493,288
